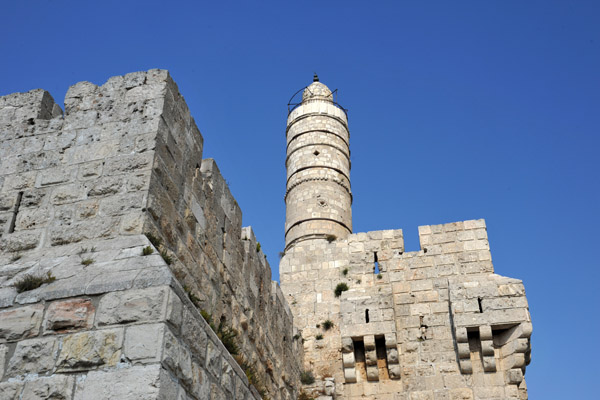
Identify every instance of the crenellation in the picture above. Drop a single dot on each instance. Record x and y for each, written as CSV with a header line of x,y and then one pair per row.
x,y
436,323
125,160
135,239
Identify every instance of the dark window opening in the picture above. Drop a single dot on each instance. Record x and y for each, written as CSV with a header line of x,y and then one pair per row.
x,y
376,269
367,315
380,347
13,220
359,358
474,340
316,152
381,351
479,303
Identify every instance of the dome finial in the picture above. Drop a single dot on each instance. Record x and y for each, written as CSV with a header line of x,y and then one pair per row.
x,y
316,78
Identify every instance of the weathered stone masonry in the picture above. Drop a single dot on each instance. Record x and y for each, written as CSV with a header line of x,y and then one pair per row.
x,y
134,234
431,324
78,193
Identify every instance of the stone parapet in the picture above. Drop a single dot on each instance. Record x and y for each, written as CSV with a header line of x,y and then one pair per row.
x,y
125,160
435,323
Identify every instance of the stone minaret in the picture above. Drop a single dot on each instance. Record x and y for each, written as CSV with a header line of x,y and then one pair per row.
x,y
318,197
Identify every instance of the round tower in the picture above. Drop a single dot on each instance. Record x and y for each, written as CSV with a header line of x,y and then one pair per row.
x,y
318,196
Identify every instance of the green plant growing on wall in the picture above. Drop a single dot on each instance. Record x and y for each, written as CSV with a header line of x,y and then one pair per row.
x,y
168,259
207,316
330,238
257,247
345,271
30,282
341,287
327,325
146,251
226,334
307,377
156,242
194,299
319,336
251,374
87,261
379,276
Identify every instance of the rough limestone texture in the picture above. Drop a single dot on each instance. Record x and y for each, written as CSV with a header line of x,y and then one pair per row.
x,y
431,324
124,268
130,234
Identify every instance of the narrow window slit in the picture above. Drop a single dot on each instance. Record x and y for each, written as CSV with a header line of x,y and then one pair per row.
x,y
376,269
367,315
13,221
479,303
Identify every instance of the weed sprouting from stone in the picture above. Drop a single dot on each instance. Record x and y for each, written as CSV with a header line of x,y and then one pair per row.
x,y
345,271
341,287
30,282
156,242
87,261
307,377
168,259
327,324
146,251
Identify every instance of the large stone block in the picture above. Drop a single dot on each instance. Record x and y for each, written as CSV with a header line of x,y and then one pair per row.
x,y
33,356
19,323
87,350
69,315
11,390
139,305
57,386
134,383
144,342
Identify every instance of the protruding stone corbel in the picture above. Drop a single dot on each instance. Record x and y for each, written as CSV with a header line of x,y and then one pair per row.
x,y
464,353
348,360
487,348
371,358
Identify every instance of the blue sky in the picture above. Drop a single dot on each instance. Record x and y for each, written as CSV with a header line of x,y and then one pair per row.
x,y
458,110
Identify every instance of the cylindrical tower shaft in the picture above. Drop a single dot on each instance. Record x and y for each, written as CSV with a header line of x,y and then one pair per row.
x,y
318,196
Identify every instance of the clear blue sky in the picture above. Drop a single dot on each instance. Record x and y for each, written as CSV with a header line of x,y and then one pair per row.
x,y
458,110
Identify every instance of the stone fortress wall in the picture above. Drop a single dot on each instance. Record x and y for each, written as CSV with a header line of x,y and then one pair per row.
x,y
137,238
80,196
431,324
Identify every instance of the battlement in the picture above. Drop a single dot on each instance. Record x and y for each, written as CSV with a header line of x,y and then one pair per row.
x,y
125,269
400,313
113,200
